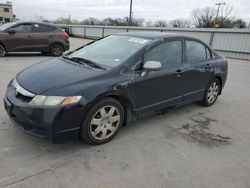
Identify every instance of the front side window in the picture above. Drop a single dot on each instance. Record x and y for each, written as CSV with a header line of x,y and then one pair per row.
x,y
195,52
111,51
168,53
23,28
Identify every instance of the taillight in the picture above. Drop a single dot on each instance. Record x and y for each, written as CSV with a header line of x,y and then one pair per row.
x,y
65,35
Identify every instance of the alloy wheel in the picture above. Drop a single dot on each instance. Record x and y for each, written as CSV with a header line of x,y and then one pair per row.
x,y
57,50
213,92
2,51
105,122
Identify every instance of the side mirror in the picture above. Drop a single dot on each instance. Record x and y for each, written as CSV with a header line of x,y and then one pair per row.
x,y
12,31
151,66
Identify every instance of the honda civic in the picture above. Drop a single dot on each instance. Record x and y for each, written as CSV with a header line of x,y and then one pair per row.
x,y
90,93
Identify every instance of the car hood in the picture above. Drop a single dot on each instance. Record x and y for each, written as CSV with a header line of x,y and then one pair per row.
x,y
54,73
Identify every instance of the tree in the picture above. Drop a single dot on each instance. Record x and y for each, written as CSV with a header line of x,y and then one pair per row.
x,y
179,23
107,21
137,21
160,23
224,14
204,17
149,24
239,23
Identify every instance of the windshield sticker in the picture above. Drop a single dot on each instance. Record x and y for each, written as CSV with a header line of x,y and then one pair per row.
x,y
117,60
138,40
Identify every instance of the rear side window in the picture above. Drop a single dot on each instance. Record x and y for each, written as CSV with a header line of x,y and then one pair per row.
x,y
23,28
44,28
195,52
168,53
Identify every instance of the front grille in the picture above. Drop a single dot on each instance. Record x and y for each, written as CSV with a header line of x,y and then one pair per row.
x,y
23,98
22,94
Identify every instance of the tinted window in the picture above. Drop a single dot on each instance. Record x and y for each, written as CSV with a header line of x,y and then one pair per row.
x,y
43,28
169,53
195,51
23,28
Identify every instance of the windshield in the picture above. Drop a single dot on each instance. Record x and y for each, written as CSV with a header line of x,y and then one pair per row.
x,y
111,51
5,26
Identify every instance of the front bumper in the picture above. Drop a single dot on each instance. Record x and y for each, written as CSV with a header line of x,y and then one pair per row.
x,y
54,123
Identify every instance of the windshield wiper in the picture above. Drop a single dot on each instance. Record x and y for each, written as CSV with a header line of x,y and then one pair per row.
x,y
85,61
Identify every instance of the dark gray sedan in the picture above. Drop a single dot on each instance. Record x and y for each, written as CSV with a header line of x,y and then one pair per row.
x,y
33,37
93,91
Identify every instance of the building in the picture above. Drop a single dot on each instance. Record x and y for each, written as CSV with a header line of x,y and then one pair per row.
x,y
6,12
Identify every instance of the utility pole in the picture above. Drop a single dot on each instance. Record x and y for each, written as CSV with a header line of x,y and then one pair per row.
x,y
218,9
130,13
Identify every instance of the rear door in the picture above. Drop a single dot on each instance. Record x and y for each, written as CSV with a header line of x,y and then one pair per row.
x,y
43,36
162,88
22,40
200,71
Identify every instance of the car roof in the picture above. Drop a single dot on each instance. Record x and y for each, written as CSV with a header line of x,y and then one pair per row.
x,y
150,35
35,22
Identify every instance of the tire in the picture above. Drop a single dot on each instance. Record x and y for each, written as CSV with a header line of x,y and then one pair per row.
x,y
103,121
56,49
212,92
2,51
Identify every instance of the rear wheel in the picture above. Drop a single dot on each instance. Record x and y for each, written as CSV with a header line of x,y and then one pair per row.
x,y
56,49
2,51
102,122
211,93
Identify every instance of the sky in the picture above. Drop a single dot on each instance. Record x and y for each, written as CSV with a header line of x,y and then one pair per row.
x,y
148,9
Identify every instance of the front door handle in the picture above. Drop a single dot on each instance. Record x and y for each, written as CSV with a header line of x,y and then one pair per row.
x,y
208,67
29,36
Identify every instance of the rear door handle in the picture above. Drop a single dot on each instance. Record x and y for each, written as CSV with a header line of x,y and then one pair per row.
x,y
178,72
29,36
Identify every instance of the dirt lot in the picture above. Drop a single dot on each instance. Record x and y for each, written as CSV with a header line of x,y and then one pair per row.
x,y
188,147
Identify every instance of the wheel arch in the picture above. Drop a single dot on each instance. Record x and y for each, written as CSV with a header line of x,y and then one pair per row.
x,y
127,108
220,79
1,43
124,101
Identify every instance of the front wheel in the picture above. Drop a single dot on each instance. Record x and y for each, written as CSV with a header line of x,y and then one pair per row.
x,y
102,122
2,51
211,93
56,49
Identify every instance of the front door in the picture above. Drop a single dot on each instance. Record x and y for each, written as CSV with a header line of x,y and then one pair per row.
x,y
21,40
161,88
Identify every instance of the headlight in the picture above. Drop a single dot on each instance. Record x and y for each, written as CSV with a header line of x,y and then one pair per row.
x,y
54,100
